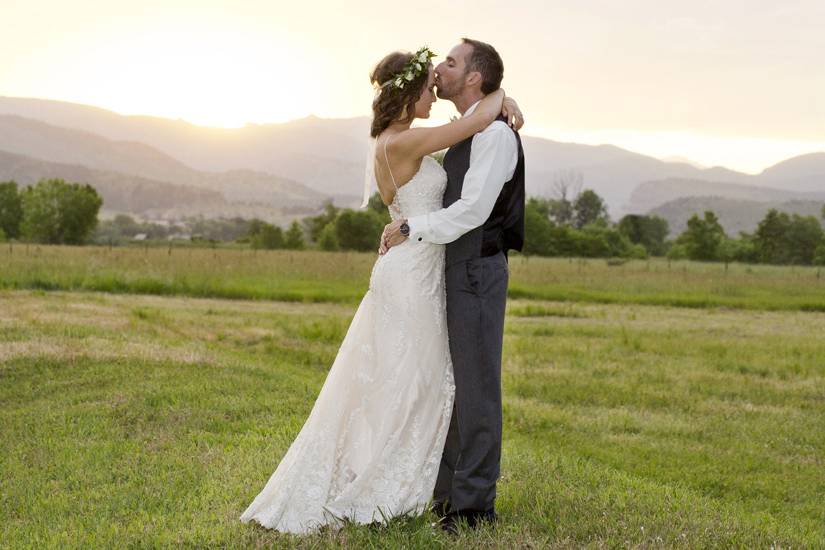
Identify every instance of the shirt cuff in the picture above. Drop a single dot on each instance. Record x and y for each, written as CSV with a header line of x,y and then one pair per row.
x,y
419,228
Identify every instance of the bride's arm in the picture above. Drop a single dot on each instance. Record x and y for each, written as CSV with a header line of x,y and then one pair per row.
x,y
417,142
512,113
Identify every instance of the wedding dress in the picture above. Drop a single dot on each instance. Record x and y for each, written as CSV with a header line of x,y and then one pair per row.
x,y
371,447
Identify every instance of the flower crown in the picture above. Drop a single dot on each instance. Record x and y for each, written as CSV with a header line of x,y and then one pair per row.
x,y
412,70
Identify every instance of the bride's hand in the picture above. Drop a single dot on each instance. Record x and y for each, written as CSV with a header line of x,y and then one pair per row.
x,y
512,113
491,105
382,248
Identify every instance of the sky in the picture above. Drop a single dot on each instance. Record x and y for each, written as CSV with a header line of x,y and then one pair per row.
x,y
736,83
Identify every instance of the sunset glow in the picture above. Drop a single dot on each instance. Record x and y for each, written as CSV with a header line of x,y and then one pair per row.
x,y
710,82
200,71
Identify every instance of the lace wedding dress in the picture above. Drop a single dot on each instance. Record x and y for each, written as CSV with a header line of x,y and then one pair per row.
x,y
371,447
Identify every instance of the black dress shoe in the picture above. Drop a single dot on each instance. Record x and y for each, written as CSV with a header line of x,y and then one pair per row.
x,y
449,524
474,519
439,509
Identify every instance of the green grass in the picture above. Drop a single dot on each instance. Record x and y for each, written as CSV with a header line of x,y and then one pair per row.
x,y
342,277
147,421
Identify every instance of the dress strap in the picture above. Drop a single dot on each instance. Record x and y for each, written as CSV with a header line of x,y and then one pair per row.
x,y
387,160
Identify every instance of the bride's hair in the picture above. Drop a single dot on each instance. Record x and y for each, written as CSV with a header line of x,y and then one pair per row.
x,y
390,101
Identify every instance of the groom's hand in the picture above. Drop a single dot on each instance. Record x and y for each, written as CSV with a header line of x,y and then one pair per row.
x,y
391,236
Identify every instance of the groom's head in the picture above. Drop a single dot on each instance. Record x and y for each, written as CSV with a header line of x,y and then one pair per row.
x,y
472,68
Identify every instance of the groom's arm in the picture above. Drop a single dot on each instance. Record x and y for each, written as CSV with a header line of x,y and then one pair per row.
x,y
493,159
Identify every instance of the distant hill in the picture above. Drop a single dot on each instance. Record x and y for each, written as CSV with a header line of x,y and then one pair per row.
x,y
612,172
120,192
146,198
327,156
684,160
49,143
651,194
802,173
734,215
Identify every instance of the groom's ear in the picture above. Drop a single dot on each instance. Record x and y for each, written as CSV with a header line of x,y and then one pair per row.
x,y
473,78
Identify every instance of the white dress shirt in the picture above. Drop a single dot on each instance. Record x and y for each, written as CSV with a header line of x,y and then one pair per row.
x,y
493,159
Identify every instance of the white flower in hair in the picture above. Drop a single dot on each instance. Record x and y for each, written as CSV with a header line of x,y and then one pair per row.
x,y
413,68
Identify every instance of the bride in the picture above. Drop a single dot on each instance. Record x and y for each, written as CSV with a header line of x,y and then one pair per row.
x,y
371,447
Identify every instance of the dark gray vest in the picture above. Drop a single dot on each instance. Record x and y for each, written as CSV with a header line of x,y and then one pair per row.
x,y
504,229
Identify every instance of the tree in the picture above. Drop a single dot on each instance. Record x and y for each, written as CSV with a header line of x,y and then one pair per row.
x,y
539,205
359,230
802,239
254,228
377,205
702,238
591,242
677,252
561,211
596,240
649,231
742,249
819,255
57,212
270,237
294,237
213,229
589,208
115,230
11,209
728,250
316,224
78,216
126,225
265,235
564,242
771,237
538,237
637,252
566,185
328,240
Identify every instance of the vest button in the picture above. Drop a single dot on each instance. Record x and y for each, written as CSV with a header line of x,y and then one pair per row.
x,y
419,238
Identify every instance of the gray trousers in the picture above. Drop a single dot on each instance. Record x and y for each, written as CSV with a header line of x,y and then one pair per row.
x,y
476,298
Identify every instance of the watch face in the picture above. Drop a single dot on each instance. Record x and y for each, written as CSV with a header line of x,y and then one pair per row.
x,y
405,229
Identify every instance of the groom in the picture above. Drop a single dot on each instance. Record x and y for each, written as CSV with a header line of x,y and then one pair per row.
x,y
482,218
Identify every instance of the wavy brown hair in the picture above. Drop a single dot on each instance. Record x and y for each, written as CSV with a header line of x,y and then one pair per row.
x,y
486,60
390,102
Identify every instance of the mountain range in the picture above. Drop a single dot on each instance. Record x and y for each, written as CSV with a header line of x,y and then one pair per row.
x,y
735,215
137,178
301,163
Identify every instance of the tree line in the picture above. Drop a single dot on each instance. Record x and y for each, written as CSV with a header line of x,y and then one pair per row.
x,y
574,223
53,211
123,228
779,238
333,229
580,226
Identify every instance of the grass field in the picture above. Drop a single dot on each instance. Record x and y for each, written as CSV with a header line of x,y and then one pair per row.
x,y
342,277
138,420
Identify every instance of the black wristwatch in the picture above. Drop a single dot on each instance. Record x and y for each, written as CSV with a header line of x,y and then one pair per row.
x,y
405,229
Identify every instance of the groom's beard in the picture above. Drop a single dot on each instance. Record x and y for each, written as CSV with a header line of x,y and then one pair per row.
x,y
445,93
